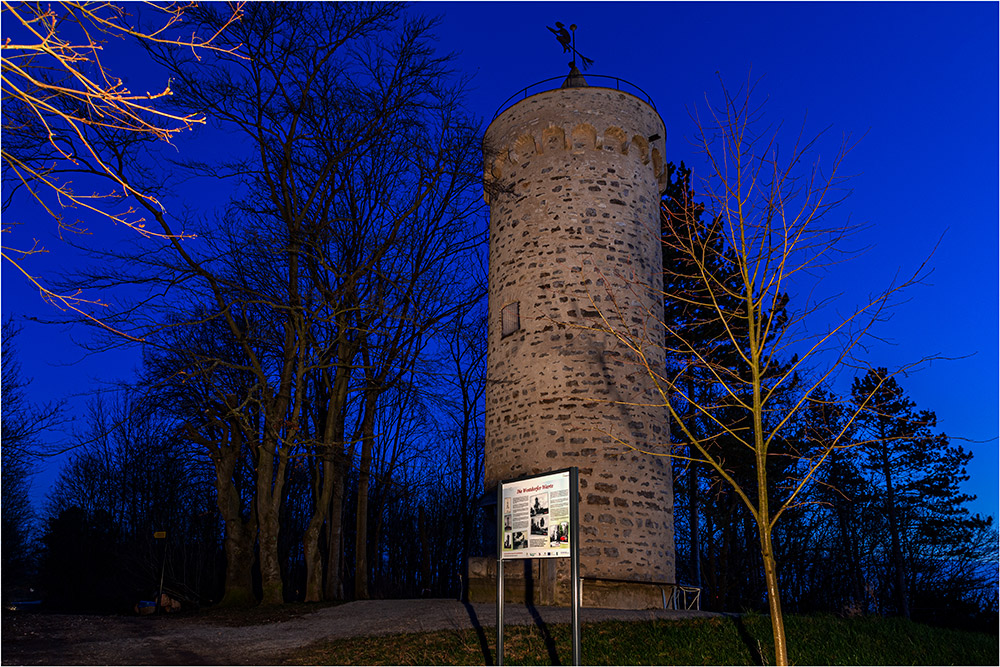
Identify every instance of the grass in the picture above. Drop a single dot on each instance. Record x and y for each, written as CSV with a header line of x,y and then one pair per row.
x,y
746,640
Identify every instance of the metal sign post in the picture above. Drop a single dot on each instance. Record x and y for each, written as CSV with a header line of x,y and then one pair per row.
x,y
538,517
500,517
574,562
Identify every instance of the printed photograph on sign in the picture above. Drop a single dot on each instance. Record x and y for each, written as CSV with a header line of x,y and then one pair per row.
x,y
540,504
560,534
539,514
520,541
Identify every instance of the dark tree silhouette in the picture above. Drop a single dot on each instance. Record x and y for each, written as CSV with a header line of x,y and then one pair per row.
x,y
917,474
22,426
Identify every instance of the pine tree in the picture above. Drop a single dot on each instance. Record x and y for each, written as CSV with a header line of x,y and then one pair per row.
x,y
681,216
888,426
918,474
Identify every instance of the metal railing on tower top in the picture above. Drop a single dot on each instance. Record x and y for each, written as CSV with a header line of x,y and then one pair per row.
x,y
546,85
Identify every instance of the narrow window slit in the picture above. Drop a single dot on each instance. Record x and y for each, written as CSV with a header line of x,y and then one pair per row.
x,y
510,319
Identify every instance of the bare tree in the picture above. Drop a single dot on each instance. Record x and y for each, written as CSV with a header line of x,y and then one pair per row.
x,y
769,232
131,472
347,202
282,101
467,376
197,371
22,425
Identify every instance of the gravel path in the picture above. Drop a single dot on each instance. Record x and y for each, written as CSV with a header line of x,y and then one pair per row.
x,y
38,639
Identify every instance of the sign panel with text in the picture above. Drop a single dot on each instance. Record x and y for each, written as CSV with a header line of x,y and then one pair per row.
x,y
535,517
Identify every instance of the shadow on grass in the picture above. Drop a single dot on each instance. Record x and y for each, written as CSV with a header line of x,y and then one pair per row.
x,y
550,644
529,594
748,640
480,633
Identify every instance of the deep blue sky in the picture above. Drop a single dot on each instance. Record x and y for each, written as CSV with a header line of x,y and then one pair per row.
x,y
921,79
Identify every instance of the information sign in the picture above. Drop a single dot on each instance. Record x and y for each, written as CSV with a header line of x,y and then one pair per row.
x,y
536,517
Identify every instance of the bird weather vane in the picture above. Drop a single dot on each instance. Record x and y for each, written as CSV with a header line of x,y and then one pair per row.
x,y
569,43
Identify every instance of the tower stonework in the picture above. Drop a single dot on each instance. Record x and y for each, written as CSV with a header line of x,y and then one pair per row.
x,y
573,178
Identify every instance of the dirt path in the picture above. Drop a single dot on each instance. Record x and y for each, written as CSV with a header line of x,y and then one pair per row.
x,y
49,639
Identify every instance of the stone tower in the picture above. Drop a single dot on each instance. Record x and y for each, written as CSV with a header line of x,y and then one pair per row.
x,y
573,178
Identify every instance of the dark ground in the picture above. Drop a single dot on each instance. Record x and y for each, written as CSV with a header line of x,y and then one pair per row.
x,y
214,639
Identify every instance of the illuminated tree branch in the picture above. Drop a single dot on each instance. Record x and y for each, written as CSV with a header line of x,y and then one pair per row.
x,y
62,105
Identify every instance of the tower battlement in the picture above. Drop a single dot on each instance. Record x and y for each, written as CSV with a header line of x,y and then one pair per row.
x,y
613,121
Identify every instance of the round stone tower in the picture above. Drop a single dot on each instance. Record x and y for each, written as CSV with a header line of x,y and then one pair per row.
x,y
573,178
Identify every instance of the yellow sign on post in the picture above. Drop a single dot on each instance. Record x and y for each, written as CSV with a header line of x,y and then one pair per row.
x,y
160,535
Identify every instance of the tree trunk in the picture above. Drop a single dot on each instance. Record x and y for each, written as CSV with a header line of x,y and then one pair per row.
x,y
728,541
364,480
312,555
238,547
334,588
272,590
857,578
425,553
379,581
693,521
849,554
333,444
269,488
331,504
239,535
763,517
902,604
773,596
714,601
693,491
279,436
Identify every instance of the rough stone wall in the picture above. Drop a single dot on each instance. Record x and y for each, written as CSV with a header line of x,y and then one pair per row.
x,y
574,182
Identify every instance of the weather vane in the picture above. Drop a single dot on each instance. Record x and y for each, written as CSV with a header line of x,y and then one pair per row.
x,y
569,43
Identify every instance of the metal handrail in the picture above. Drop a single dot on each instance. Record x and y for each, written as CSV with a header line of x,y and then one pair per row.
x,y
619,82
